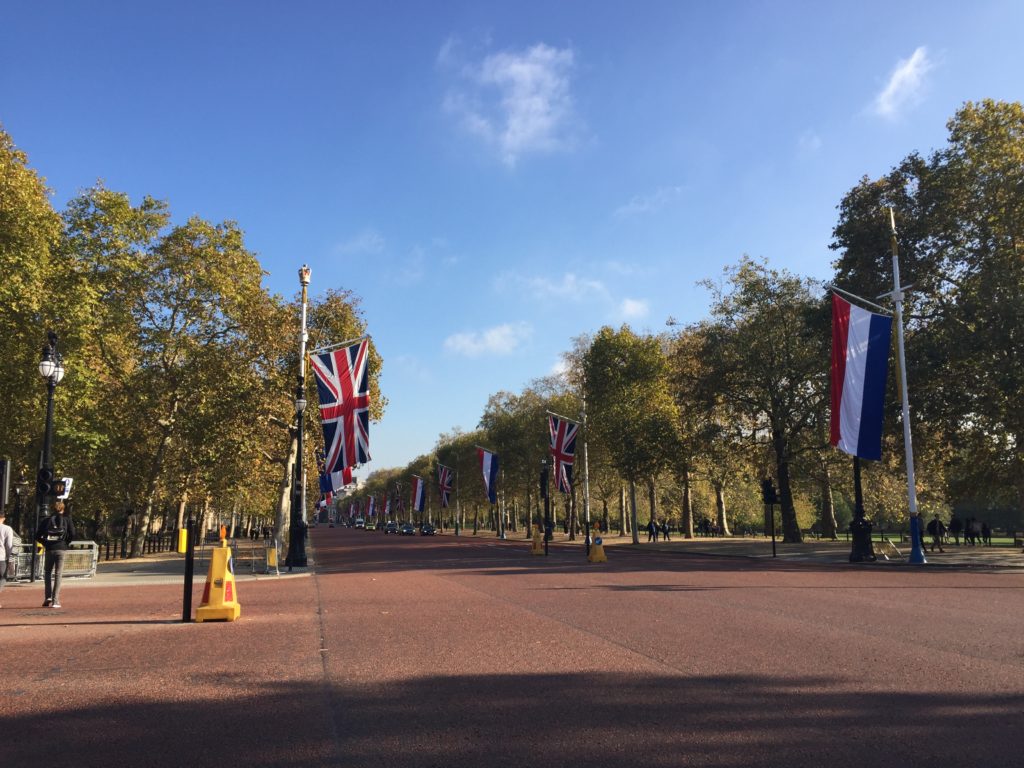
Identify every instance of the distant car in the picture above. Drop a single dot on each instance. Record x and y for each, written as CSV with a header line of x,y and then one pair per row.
x,y
370,526
360,523
391,527
427,530
406,529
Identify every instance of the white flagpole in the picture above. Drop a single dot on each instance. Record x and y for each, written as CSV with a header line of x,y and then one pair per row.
x,y
586,476
916,550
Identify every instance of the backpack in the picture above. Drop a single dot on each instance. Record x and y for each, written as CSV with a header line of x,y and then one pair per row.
x,y
56,529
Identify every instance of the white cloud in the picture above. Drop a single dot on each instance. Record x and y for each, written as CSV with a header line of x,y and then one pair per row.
x,y
499,340
651,203
517,101
634,309
905,84
560,368
367,241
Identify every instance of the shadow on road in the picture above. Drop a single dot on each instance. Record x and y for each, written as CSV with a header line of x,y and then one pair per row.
x,y
528,720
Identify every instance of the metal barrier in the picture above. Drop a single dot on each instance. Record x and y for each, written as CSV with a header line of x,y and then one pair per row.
x,y
81,560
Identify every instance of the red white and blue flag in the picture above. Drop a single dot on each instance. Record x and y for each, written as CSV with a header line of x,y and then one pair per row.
x,y
343,383
418,489
489,468
444,484
860,366
563,449
371,506
331,481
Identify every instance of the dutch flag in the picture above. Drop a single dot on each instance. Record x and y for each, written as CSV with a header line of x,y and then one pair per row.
x,y
417,493
489,468
860,365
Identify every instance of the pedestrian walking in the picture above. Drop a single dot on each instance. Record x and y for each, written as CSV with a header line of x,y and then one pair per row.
x,y
652,531
937,529
956,526
664,530
54,533
986,535
7,550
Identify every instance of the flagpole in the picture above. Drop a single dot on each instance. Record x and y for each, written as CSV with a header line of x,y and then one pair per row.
x,y
586,475
916,550
347,342
458,509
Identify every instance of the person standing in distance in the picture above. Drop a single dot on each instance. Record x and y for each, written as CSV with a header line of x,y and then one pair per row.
x,y
7,550
54,533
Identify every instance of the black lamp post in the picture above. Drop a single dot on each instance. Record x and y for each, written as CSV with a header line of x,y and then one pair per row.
x,y
547,502
297,537
51,368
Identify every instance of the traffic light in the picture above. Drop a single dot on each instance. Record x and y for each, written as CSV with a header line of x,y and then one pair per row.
x,y
44,482
768,491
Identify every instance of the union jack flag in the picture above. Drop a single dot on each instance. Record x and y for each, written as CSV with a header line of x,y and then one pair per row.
x,y
343,383
371,504
563,449
444,483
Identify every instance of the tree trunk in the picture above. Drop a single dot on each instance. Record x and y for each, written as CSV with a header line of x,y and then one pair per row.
x,y
828,510
622,510
632,510
282,521
155,470
652,501
723,523
570,500
790,527
182,505
687,503
604,514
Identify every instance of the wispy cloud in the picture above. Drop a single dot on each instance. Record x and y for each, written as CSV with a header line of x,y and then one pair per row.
x,y
809,142
905,84
367,241
517,101
568,286
499,340
645,204
411,367
634,309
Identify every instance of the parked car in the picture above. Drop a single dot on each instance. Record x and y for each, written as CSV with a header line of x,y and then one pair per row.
x,y
360,522
391,527
406,529
427,530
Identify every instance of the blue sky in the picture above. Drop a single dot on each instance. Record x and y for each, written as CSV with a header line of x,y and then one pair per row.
x,y
496,178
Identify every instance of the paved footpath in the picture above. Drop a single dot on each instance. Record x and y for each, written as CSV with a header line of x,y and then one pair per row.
x,y
469,652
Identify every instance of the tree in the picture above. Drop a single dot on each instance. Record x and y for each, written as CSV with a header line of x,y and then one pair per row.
x,y
768,363
960,214
629,404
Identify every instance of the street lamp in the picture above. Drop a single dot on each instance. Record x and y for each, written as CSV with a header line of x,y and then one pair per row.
x,y
51,368
547,502
297,537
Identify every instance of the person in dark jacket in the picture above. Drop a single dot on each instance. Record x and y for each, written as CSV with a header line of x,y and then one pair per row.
x,y
54,533
937,529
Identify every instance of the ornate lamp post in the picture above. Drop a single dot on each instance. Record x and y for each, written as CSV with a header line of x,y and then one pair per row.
x,y
297,536
51,368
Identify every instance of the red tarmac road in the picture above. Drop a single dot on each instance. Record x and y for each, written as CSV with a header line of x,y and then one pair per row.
x,y
470,652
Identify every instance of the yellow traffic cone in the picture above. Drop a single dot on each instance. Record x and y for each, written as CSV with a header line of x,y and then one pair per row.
x,y
220,596
597,552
